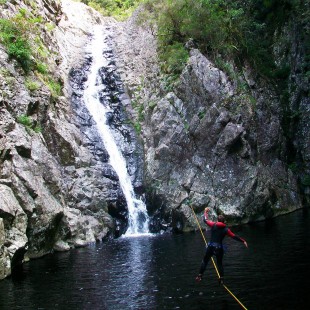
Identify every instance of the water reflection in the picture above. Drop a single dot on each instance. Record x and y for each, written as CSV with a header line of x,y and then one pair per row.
x,y
133,278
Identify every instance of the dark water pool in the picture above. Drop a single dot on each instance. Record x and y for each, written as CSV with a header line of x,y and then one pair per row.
x,y
158,272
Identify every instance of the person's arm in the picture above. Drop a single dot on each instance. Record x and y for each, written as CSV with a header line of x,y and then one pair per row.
x,y
206,218
236,237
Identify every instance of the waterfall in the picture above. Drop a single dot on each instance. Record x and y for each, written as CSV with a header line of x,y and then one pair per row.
x,y
100,52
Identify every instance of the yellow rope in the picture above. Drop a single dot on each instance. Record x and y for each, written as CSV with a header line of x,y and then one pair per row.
x,y
218,274
239,302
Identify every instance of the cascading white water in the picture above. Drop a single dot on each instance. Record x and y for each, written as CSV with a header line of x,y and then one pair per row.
x,y
138,218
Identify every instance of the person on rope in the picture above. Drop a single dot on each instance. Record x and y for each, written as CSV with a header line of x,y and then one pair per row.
x,y
215,247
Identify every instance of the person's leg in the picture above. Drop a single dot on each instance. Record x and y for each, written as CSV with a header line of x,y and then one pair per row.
x,y
204,263
219,260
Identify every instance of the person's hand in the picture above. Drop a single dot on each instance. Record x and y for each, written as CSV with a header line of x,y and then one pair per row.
x,y
246,245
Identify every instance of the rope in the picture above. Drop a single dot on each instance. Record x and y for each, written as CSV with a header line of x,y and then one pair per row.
x,y
218,274
239,302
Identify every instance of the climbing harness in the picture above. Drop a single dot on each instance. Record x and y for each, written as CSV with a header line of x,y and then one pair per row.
x,y
218,274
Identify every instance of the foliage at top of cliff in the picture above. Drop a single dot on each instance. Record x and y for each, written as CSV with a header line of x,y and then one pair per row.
x,y
120,9
232,30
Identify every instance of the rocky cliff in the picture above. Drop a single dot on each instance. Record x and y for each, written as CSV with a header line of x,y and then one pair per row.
x,y
230,142
213,139
56,185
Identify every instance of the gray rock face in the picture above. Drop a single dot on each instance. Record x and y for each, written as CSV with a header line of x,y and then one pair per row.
x,y
237,150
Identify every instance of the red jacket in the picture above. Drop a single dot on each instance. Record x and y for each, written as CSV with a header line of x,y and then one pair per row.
x,y
219,230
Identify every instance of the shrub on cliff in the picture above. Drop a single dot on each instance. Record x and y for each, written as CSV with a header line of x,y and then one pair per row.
x,y
227,29
12,34
20,35
118,8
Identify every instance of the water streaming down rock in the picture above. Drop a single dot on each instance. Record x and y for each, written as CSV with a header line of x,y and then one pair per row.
x,y
99,101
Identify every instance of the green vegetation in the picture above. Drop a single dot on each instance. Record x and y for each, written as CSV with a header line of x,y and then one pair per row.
x,y
225,30
37,129
12,35
152,105
120,9
20,35
28,123
137,126
306,180
173,58
293,167
41,68
25,120
138,106
32,85
201,114
50,26
9,79
54,86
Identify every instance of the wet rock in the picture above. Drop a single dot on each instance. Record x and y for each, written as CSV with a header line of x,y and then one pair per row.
x,y
61,246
